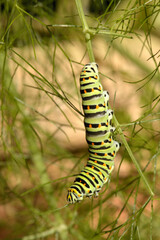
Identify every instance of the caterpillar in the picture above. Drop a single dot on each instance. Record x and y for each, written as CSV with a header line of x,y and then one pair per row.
x,y
101,146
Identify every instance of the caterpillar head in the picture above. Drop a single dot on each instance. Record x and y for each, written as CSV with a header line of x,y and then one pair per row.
x,y
90,70
73,196
89,74
91,67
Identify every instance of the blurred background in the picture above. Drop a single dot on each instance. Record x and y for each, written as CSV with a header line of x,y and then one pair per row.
x,y
43,146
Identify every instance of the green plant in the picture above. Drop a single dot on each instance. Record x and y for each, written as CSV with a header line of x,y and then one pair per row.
x,y
41,112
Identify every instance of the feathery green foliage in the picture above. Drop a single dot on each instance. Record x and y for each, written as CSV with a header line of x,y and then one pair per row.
x,y
43,46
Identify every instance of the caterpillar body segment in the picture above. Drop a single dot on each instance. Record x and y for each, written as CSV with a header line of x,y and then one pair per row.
x,y
99,103
99,122
91,91
99,130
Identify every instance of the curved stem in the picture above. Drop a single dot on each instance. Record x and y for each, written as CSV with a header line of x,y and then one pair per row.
x,y
131,155
87,31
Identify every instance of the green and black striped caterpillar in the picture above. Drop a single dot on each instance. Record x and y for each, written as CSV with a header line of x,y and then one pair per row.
x,y
102,148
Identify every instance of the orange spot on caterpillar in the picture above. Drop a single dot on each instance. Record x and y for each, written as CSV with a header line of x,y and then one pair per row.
x,y
95,161
99,125
107,124
88,107
100,173
102,143
92,89
96,76
79,195
92,144
97,186
83,79
100,88
88,173
88,191
84,71
84,184
85,91
92,167
90,125
93,178
110,168
104,164
105,154
89,78
97,106
95,153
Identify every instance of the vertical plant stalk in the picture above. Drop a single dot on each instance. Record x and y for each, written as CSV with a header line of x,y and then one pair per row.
x,y
40,166
86,31
9,123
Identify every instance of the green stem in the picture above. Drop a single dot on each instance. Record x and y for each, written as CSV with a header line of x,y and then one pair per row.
x,y
87,31
132,156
